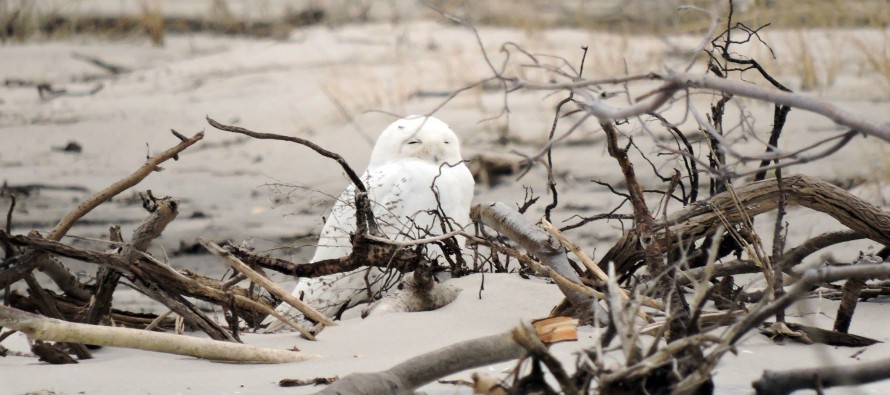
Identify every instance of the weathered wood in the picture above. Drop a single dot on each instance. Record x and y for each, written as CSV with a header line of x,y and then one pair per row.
x,y
182,282
42,328
58,272
407,376
694,222
785,382
274,289
163,211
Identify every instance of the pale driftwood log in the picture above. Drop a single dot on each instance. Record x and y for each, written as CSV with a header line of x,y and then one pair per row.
x,y
536,241
694,221
59,273
418,292
785,382
415,372
41,328
258,279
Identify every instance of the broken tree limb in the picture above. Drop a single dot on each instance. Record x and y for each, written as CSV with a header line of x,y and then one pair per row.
x,y
371,253
415,372
779,97
315,147
850,297
163,211
785,382
274,289
59,274
42,328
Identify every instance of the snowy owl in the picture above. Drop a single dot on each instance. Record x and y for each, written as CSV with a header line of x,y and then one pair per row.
x,y
413,161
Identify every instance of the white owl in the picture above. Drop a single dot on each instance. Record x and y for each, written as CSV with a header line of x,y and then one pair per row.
x,y
413,161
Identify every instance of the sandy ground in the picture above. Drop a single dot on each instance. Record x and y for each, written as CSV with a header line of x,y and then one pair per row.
x,y
319,83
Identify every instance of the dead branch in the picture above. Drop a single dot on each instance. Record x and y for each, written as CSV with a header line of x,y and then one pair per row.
x,y
42,328
252,308
74,308
60,275
850,296
405,377
778,96
785,382
163,211
258,279
809,279
315,147
368,253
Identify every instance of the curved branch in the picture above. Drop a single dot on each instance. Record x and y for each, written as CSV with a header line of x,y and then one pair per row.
x,y
315,147
694,221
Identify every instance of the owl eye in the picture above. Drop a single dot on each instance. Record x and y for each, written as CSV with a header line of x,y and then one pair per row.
x,y
414,142
447,142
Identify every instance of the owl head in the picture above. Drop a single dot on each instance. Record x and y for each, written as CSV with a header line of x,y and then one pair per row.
x,y
417,136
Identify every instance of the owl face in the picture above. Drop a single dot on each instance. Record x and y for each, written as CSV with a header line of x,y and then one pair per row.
x,y
425,138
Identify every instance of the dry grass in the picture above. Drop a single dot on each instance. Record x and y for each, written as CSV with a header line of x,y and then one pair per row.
x,y
876,61
152,19
17,19
21,19
805,64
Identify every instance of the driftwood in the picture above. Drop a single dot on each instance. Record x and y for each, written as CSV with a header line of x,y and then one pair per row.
x,y
785,382
695,221
407,376
252,308
42,328
163,211
418,292
62,277
536,241
74,308
255,277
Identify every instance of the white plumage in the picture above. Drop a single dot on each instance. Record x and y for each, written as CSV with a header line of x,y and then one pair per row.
x,y
412,156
